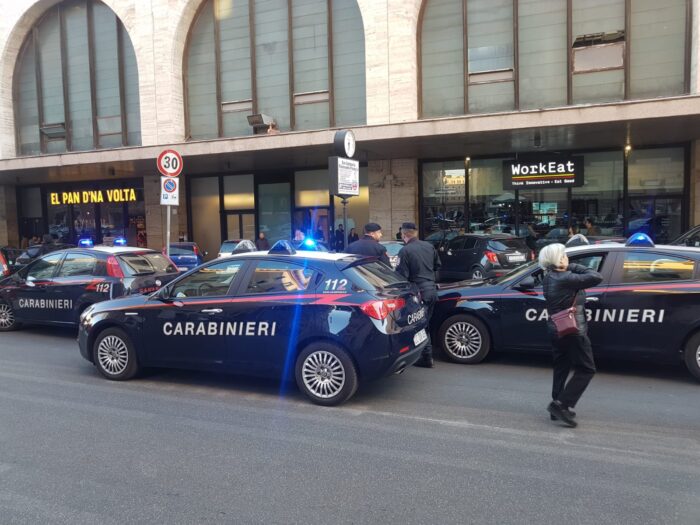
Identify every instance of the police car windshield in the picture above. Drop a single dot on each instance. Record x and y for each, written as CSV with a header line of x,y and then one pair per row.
x,y
374,275
145,264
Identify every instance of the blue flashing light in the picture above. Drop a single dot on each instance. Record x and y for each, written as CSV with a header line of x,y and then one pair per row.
x,y
310,242
86,243
120,241
640,239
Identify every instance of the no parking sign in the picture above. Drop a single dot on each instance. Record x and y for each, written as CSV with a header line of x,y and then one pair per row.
x,y
169,191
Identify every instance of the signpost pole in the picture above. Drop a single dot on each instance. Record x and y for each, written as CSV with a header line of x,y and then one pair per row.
x,y
167,230
344,201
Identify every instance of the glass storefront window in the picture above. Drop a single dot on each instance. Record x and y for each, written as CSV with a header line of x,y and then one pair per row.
x,y
443,196
656,183
491,209
544,216
274,211
600,198
311,188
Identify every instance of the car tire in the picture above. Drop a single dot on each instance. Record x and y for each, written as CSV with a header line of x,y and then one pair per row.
x,y
8,321
692,355
326,374
114,355
464,339
477,273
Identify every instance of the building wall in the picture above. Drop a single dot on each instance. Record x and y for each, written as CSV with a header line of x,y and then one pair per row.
x,y
8,217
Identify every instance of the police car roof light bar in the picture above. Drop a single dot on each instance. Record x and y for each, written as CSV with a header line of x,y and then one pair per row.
x,y
86,243
640,239
282,248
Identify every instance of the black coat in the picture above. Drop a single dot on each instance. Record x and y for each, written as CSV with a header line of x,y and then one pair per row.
x,y
561,288
369,247
419,262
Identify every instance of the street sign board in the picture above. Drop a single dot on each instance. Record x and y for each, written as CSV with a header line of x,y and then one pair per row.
x,y
169,191
170,163
344,176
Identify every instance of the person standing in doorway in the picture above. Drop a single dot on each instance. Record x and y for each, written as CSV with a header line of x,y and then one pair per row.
x,y
564,287
340,238
419,263
261,243
369,244
353,237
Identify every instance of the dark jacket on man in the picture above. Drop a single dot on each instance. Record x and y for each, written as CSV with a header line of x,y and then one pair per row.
x,y
419,263
369,247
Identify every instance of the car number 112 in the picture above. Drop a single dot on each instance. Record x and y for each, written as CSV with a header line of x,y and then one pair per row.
x,y
336,285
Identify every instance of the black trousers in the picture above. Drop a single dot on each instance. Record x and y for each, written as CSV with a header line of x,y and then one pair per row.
x,y
572,352
429,304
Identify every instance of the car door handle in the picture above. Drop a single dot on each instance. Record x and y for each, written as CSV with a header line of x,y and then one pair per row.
x,y
592,299
212,311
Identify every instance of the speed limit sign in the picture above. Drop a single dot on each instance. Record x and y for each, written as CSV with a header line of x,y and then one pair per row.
x,y
170,163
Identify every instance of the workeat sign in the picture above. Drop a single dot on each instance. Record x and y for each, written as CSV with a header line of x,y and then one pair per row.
x,y
543,172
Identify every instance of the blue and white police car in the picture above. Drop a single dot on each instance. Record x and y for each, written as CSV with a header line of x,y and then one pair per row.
x,y
326,320
648,305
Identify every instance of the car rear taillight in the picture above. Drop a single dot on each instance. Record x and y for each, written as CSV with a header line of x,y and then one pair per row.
x,y
380,310
195,249
532,255
4,268
113,268
492,257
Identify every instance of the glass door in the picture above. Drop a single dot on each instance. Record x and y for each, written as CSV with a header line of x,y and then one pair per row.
x,y
274,210
240,225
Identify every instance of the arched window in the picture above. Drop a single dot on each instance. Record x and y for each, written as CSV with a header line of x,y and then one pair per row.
x,y
76,82
302,62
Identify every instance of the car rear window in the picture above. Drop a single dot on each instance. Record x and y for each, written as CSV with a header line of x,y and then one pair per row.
x,y
145,264
181,250
507,244
373,275
228,246
393,249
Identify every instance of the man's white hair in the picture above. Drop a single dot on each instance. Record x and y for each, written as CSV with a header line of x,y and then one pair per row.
x,y
551,255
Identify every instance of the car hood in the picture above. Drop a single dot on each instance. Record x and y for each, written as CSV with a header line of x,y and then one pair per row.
x,y
129,301
467,289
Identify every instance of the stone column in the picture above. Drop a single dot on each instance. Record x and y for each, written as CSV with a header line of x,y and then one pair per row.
x,y
393,193
9,228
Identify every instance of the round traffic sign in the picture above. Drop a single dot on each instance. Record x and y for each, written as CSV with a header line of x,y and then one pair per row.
x,y
170,163
170,186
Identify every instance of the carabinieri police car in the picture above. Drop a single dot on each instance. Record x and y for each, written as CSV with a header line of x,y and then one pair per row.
x,y
648,305
58,287
326,320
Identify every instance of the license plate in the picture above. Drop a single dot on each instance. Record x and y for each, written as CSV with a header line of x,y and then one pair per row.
x,y
182,269
420,337
516,258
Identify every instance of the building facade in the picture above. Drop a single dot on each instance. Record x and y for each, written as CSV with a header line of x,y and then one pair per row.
x,y
444,97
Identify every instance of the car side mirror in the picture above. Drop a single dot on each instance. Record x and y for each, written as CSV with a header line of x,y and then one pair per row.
x,y
526,284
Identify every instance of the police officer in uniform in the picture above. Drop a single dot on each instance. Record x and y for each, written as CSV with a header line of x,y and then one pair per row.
x,y
419,262
369,244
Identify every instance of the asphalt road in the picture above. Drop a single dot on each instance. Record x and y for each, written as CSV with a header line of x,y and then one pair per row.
x,y
454,444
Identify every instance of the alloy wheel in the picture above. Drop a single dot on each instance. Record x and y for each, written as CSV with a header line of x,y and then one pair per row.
x,y
113,355
476,274
7,316
323,374
463,340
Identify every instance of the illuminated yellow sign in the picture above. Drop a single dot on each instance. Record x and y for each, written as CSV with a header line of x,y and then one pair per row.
x,y
93,196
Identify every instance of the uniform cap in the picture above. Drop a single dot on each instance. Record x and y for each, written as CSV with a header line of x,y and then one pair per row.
x,y
372,227
409,226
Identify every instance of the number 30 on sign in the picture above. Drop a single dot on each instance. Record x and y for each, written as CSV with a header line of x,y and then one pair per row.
x,y
170,163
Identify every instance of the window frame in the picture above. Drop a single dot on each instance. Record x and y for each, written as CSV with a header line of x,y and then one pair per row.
x,y
231,291
252,266
79,254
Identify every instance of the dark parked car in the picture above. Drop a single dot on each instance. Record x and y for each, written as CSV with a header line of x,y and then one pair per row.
x,y
477,256
440,238
57,287
689,238
186,255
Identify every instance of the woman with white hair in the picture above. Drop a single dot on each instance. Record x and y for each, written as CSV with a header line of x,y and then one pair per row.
x,y
564,288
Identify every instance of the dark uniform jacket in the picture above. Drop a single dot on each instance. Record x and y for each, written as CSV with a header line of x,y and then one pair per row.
x,y
560,289
418,262
369,247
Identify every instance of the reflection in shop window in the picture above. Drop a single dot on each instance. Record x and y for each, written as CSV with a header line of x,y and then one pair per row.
x,y
443,196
